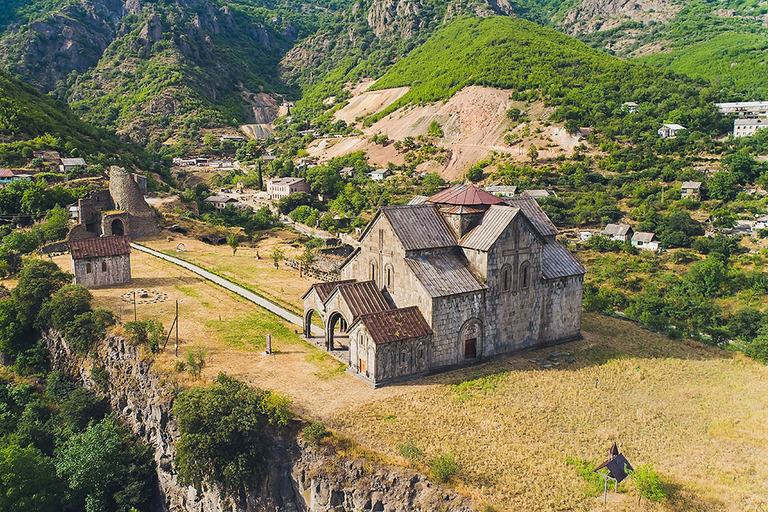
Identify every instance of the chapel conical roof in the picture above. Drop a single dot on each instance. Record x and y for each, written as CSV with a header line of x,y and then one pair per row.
x,y
465,195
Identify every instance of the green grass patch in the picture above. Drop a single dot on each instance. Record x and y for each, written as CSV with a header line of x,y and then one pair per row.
x,y
477,386
248,331
328,366
594,483
188,291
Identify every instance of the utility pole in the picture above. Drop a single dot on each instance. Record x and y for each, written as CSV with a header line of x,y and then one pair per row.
x,y
177,326
134,306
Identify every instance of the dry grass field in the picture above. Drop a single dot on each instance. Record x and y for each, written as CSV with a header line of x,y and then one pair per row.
x,y
698,414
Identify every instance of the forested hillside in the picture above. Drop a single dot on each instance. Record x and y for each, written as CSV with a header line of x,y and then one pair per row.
x,y
30,120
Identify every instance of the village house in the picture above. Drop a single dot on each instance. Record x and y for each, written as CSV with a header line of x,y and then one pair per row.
x,y
670,130
279,188
380,174
231,138
537,193
347,172
7,176
630,107
744,108
761,222
219,202
501,190
458,279
103,261
618,232
67,164
691,190
645,241
748,127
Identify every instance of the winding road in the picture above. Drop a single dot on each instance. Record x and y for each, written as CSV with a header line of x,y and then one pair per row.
x,y
246,294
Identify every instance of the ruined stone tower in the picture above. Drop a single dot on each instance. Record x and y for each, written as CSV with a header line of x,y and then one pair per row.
x,y
128,198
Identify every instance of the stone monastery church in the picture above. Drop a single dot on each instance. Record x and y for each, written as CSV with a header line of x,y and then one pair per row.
x,y
446,281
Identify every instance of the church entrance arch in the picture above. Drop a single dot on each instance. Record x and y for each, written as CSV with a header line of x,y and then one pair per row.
x,y
336,332
471,339
117,227
308,318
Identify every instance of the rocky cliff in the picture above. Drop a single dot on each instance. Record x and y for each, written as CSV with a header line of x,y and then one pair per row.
x,y
301,477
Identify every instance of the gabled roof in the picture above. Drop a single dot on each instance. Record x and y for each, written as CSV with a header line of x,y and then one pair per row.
x,y
417,226
539,192
395,325
6,173
492,225
558,262
418,200
361,297
444,274
691,184
673,126
73,161
220,199
641,236
617,229
99,247
465,195
324,290
532,210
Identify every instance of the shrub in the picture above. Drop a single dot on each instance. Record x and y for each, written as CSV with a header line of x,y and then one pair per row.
x,y
442,467
196,361
410,451
648,483
88,328
221,438
277,408
315,433
146,332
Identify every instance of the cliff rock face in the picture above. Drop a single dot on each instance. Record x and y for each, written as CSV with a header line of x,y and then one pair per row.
x,y
301,478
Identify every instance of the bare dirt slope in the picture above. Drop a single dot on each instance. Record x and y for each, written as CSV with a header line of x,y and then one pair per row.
x,y
473,121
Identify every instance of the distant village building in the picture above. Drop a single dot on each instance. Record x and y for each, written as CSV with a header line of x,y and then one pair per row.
x,y
630,107
645,241
67,164
7,176
269,158
761,222
282,187
691,190
670,130
501,190
618,232
744,108
458,279
231,138
347,172
380,174
103,261
748,127
219,202
47,155
537,193
585,235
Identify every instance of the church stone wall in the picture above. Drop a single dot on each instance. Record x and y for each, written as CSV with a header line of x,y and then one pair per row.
x,y
448,317
561,309
103,271
379,364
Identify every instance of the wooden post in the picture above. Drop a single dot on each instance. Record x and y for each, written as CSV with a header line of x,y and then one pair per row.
x,y
269,344
177,328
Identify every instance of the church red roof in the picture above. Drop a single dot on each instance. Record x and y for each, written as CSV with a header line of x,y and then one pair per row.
x,y
465,195
99,247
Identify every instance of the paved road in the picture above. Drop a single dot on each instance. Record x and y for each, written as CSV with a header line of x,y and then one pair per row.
x,y
256,299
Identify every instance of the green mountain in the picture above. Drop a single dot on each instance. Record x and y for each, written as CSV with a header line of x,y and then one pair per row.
x,y
148,70
30,120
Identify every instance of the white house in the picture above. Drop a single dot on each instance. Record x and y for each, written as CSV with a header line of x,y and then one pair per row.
x,y
501,190
67,164
748,127
645,241
537,193
630,107
380,174
669,130
619,232
744,108
691,189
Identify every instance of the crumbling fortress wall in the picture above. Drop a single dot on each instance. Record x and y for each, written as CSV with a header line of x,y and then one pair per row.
x,y
127,197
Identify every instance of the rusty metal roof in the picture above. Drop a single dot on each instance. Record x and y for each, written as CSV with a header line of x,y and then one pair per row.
x,y
444,274
557,262
6,173
419,226
395,325
324,290
362,297
418,200
492,225
532,210
99,247
465,195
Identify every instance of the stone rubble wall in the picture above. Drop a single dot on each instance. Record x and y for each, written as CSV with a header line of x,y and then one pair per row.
x,y
301,478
